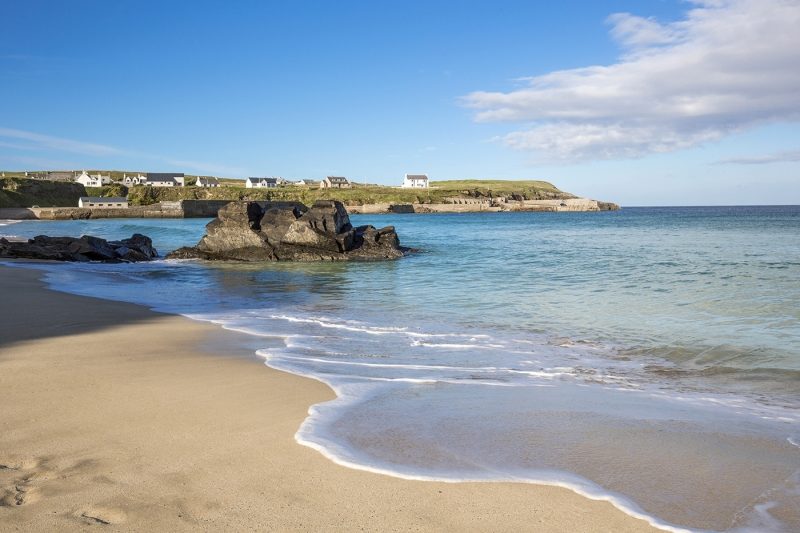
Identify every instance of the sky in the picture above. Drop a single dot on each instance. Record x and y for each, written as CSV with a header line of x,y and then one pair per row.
x,y
649,102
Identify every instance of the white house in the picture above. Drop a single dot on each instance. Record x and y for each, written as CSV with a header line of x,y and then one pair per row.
x,y
415,181
138,179
335,182
256,183
94,180
95,202
203,181
164,179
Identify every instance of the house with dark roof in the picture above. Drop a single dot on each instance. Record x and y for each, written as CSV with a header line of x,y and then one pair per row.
x,y
165,179
205,181
415,181
258,183
335,182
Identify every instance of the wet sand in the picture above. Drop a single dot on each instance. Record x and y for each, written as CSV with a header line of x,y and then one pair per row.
x,y
126,419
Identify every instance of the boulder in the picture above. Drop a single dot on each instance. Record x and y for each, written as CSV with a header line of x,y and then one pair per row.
x,y
276,223
86,248
273,231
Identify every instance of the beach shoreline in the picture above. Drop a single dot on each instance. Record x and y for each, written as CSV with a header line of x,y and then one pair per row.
x,y
121,416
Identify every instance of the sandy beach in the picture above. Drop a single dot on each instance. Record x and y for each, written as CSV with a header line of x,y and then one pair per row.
x,y
126,419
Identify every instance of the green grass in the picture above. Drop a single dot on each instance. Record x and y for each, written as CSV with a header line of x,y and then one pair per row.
x,y
21,192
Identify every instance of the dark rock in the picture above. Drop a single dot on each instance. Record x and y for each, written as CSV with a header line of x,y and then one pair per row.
x,y
607,206
86,248
276,222
273,231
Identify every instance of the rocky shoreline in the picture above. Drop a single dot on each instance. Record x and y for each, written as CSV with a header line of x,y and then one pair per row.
x,y
80,249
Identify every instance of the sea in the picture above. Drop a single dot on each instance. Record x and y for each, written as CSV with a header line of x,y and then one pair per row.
x,y
649,357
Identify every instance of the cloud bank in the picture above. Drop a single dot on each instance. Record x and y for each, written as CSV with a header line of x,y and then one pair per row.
x,y
728,66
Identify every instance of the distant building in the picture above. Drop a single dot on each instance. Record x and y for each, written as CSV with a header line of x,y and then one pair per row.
x,y
415,181
130,181
204,181
335,182
97,202
257,183
164,179
94,180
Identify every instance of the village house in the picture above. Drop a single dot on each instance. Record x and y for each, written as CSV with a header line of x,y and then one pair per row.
x,y
415,181
334,182
165,179
130,181
256,183
94,180
96,202
204,181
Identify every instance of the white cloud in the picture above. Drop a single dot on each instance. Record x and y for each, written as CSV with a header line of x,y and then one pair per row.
x,y
37,140
728,66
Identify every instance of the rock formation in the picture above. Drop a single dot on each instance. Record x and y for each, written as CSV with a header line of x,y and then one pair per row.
x,y
289,231
86,248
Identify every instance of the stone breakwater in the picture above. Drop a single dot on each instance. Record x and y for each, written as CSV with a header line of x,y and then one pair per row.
x,y
290,231
210,208
489,205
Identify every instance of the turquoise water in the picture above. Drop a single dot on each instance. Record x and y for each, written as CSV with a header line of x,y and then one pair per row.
x,y
650,355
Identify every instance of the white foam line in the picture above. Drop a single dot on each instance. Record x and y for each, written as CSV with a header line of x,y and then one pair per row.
x,y
347,326
540,374
455,346
322,323
620,503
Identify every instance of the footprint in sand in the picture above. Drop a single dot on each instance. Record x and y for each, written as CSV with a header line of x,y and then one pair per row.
x,y
26,474
20,494
21,490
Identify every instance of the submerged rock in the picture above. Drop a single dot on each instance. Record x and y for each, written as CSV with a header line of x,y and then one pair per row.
x,y
289,231
87,248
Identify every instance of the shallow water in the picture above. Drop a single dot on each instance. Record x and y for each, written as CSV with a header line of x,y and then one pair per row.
x,y
650,355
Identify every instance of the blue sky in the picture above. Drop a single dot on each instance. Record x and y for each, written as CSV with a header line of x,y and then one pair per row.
x,y
645,103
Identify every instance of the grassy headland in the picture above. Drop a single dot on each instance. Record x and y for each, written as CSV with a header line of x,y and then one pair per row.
x,y
22,192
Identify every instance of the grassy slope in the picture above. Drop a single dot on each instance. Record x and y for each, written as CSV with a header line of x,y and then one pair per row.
x,y
21,192
358,195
